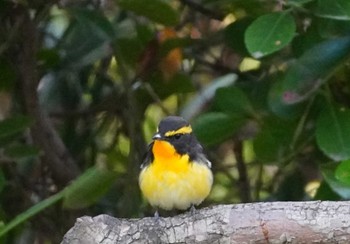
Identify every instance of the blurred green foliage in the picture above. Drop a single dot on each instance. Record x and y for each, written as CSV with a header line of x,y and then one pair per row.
x,y
83,85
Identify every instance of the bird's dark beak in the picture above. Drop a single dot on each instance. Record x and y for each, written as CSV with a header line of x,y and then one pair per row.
x,y
156,136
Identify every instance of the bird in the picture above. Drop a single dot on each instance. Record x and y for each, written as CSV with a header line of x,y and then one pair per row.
x,y
175,173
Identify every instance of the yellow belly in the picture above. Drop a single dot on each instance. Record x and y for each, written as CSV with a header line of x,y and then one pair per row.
x,y
175,183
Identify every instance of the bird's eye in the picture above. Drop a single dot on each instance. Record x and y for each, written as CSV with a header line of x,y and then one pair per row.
x,y
177,136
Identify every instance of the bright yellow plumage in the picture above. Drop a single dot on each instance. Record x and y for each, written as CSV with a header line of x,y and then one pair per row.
x,y
171,181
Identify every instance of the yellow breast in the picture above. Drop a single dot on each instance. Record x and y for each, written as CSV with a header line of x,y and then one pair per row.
x,y
172,182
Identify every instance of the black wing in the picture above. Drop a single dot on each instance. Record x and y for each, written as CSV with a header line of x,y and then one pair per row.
x,y
201,158
147,157
197,154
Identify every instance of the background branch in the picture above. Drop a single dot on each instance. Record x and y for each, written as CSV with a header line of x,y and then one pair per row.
x,y
243,180
56,156
205,11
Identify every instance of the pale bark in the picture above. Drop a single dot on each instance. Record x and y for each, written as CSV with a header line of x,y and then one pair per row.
x,y
268,222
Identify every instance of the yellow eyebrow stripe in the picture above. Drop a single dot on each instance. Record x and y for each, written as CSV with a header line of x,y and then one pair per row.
x,y
182,130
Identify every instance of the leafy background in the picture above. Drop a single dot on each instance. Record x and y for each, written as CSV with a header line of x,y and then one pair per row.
x,y
83,85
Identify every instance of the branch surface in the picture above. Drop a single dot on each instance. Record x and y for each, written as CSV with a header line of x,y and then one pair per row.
x,y
268,222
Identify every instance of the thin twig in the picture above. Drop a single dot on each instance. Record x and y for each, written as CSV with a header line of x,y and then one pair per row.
x,y
301,123
259,182
224,70
11,36
243,181
156,98
205,11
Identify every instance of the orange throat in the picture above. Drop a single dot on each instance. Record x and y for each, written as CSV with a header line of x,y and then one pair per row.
x,y
163,149
166,158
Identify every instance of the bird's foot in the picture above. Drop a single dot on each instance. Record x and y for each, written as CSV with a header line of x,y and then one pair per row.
x,y
193,210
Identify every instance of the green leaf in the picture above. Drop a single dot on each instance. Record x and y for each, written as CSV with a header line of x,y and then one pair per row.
x,y
306,40
49,58
97,22
297,3
156,10
234,35
273,142
325,192
342,172
21,151
88,188
328,172
130,49
179,83
292,187
7,75
144,33
333,133
24,216
87,39
14,125
306,75
212,128
280,108
232,100
2,180
334,9
330,28
269,33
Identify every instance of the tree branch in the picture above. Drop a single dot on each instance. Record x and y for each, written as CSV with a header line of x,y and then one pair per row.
x,y
56,155
243,180
268,222
199,8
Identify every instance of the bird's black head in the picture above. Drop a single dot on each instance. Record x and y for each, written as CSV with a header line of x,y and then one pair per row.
x,y
171,124
178,132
